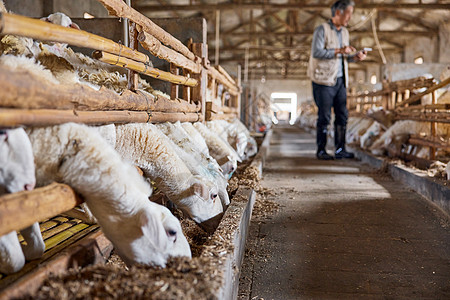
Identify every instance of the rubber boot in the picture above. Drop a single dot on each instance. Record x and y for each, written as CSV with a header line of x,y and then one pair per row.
x,y
339,142
321,140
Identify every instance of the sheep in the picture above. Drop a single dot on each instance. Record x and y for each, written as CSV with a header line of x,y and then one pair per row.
x,y
142,232
17,173
196,136
357,130
197,162
149,149
219,149
230,133
401,129
252,147
370,135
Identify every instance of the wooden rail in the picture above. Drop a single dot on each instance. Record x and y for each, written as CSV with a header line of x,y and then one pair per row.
x,y
46,31
143,68
21,210
47,117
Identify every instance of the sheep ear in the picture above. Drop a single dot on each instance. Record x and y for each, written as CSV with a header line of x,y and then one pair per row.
x,y
75,25
201,190
152,229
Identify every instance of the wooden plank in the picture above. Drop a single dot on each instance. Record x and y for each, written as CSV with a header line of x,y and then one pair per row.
x,y
434,143
47,117
225,73
46,31
20,89
429,90
120,9
154,46
232,89
143,68
21,210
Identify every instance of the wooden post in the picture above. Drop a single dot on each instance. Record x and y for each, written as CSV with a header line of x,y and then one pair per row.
x,y
433,127
199,92
133,76
174,88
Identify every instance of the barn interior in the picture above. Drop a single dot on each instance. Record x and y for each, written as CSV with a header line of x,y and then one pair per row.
x,y
170,150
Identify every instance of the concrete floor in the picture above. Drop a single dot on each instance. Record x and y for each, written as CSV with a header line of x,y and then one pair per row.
x,y
344,231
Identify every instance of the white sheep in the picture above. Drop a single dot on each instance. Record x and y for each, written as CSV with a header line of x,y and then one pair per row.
x,y
141,231
401,129
251,147
196,136
222,152
149,149
17,173
230,133
370,135
357,130
197,162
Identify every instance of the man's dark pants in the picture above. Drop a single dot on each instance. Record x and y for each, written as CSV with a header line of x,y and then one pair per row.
x,y
327,97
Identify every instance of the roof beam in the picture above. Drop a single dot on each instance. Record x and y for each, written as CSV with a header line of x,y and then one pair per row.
x,y
396,33
148,8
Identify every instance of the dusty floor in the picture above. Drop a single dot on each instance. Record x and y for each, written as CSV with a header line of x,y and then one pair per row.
x,y
344,231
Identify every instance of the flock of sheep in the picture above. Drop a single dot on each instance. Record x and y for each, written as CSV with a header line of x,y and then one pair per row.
x,y
378,131
189,162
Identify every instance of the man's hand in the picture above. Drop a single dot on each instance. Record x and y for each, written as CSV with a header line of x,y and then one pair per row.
x,y
360,55
345,50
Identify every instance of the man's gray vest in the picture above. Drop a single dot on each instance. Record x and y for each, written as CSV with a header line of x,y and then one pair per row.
x,y
324,71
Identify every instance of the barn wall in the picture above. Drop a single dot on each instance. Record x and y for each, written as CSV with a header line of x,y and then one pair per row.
x,y
421,46
444,43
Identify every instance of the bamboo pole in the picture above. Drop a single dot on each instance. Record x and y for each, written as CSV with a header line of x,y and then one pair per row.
x,y
429,90
143,68
120,9
21,210
47,117
46,31
154,46
20,89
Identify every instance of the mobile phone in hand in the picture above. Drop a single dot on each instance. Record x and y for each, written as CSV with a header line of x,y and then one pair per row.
x,y
367,49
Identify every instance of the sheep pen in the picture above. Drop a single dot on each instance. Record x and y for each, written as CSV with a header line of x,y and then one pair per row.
x,y
208,275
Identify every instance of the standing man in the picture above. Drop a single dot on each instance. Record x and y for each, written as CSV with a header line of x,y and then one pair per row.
x,y
328,70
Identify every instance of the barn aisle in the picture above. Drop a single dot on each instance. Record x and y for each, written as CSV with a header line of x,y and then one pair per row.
x,y
344,231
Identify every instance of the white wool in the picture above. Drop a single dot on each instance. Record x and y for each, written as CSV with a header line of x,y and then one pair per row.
x,y
196,136
370,135
17,173
403,127
222,152
251,147
447,170
29,65
230,133
2,7
141,231
149,149
197,162
357,130
59,18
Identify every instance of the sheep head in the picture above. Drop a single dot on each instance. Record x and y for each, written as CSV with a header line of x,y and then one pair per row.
x,y
17,171
201,201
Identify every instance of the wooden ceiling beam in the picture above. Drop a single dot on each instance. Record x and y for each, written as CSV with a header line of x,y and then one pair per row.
x,y
148,8
395,33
